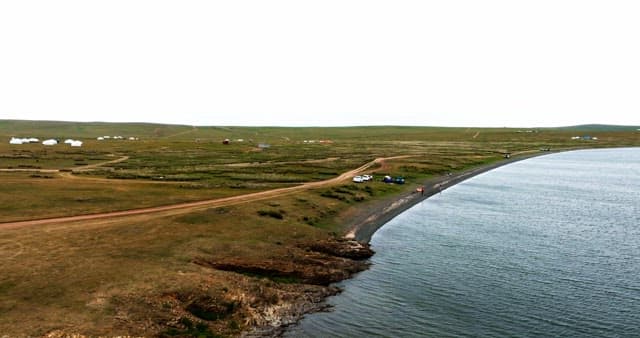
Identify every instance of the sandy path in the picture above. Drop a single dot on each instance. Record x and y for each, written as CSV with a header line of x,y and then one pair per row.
x,y
69,174
101,164
33,170
80,168
259,164
191,206
192,130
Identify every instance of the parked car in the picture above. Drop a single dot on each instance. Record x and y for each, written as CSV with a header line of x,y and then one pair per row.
x,y
367,177
387,179
358,179
398,180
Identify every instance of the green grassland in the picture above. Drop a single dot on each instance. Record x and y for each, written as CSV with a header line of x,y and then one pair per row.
x,y
172,163
141,275
199,166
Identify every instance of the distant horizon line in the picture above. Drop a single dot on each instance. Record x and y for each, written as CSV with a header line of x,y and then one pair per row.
x,y
326,126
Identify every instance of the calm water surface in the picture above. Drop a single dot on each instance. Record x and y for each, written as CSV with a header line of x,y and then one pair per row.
x,y
547,247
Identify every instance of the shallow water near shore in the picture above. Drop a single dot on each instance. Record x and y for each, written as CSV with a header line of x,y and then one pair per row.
x,y
549,246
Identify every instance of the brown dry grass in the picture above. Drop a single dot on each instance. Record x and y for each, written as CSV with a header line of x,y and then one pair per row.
x,y
24,197
96,277
135,275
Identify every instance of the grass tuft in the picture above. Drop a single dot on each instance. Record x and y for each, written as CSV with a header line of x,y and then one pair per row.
x,y
277,214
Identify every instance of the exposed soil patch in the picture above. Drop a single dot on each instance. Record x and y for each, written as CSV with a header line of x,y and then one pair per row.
x,y
209,308
284,289
320,263
202,306
297,300
342,248
196,312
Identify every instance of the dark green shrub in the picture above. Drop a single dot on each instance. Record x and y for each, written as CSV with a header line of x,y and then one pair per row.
x,y
271,213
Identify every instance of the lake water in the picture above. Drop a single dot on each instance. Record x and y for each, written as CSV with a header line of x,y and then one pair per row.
x,y
548,247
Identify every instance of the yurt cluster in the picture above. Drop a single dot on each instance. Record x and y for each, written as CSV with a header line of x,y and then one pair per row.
x,y
48,142
71,142
106,137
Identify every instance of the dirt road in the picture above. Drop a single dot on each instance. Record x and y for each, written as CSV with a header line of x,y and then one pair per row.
x,y
191,206
101,164
80,168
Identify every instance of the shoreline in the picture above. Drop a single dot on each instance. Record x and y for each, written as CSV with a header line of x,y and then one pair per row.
x,y
364,225
359,231
364,230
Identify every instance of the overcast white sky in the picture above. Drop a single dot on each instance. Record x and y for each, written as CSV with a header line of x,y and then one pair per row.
x,y
448,63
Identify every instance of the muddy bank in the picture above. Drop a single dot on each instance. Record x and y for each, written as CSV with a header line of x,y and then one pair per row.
x,y
294,285
341,260
317,263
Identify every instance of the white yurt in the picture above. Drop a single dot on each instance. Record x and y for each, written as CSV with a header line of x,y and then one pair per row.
x,y
50,142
